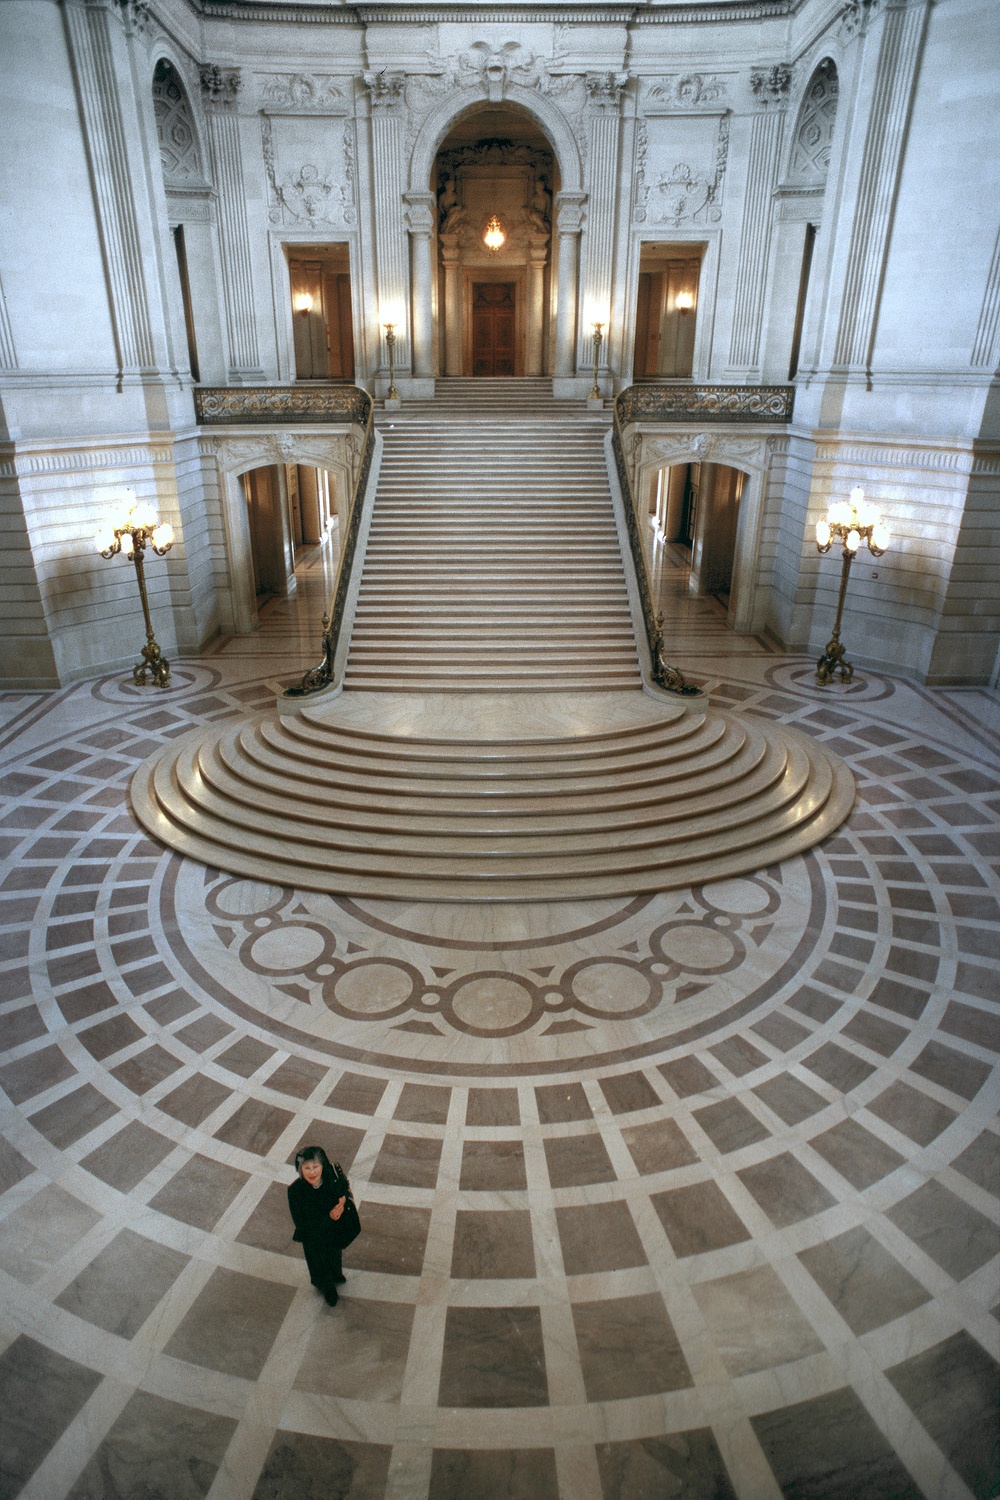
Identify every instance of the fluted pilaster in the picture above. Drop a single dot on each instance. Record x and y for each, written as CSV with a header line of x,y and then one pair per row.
x,y
605,91
895,76
93,33
390,228
771,90
219,90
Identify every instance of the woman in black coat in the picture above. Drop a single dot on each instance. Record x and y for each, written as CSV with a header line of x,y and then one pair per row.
x,y
316,1199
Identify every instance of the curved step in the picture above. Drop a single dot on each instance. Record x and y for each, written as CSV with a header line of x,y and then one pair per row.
x,y
642,797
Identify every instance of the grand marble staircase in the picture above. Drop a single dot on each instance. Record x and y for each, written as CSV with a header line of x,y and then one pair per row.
x,y
493,560
493,741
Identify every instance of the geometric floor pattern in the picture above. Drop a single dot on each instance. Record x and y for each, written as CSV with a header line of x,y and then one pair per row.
x,y
691,1194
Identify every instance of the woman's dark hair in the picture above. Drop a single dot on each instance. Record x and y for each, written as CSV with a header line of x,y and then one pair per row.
x,y
313,1153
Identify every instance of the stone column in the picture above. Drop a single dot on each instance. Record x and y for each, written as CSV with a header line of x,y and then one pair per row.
x,y
535,323
386,91
220,88
569,222
605,91
770,88
451,255
420,214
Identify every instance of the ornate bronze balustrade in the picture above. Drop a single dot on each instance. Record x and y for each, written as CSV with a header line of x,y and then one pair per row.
x,y
237,405
682,402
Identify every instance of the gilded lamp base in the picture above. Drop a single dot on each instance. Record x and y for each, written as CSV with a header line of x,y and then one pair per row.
x,y
833,661
154,666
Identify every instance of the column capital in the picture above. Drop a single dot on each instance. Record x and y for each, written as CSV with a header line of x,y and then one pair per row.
x,y
605,90
219,85
385,88
771,85
420,212
569,211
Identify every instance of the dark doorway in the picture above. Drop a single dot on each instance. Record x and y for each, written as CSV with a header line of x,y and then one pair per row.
x,y
494,308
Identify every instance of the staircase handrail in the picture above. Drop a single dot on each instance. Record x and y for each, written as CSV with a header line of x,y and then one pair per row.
x,y
324,672
665,674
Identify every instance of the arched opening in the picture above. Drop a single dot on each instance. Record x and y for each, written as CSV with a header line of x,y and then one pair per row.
x,y
694,512
293,524
666,311
495,176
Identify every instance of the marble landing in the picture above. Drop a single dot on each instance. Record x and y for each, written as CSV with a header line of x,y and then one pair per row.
x,y
688,1194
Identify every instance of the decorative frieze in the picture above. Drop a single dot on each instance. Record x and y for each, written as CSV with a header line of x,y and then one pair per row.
x,y
303,93
705,403
686,92
239,405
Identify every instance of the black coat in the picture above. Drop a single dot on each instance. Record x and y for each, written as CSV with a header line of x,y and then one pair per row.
x,y
310,1206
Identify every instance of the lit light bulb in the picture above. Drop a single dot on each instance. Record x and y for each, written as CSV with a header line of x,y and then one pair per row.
x,y
494,236
880,536
127,544
853,540
822,533
105,538
163,536
142,516
303,302
684,301
857,496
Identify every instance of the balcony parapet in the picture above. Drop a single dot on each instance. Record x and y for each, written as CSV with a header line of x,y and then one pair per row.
x,y
680,401
239,405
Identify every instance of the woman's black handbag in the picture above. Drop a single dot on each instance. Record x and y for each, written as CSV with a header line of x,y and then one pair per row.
x,y
346,1229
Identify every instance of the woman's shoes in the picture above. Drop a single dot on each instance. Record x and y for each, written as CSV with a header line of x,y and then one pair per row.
x,y
331,1297
340,1280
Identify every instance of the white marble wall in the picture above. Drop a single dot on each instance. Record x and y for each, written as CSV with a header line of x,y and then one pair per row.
x,y
663,130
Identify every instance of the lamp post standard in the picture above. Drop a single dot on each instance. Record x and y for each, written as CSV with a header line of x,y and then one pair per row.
x,y
852,522
390,338
595,390
131,534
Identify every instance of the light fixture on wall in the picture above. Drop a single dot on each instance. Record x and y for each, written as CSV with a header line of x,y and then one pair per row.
x,y
684,302
132,529
493,235
595,392
852,522
303,303
390,338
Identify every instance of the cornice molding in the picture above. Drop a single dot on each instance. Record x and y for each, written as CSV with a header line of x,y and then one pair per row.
x,y
694,12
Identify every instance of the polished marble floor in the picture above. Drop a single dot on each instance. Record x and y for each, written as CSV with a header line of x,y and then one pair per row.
x,y
687,1195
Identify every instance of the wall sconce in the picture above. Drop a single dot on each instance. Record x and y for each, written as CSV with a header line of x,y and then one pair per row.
x,y
390,338
493,235
131,532
595,392
684,302
852,522
303,303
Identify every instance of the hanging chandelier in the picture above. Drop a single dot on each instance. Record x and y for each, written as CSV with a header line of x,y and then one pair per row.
x,y
493,235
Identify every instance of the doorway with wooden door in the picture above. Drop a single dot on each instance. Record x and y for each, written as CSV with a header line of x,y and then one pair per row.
x,y
494,324
323,329
666,312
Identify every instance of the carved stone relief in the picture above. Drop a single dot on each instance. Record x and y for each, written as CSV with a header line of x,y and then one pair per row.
x,y
302,92
385,88
683,195
855,18
605,90
688,91
307,193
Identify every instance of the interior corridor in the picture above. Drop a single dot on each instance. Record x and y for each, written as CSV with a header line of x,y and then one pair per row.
x,y
685,1194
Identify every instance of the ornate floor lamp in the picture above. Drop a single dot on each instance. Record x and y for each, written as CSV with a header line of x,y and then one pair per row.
x,y
131,533
851,521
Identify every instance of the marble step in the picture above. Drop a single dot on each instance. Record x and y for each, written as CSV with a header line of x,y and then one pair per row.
x,y
334,799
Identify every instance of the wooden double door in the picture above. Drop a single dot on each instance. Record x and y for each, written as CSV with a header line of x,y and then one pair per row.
x,y
494,319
